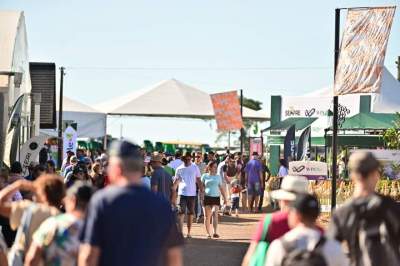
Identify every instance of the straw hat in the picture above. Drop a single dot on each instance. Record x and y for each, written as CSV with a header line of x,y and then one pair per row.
x,y
291,187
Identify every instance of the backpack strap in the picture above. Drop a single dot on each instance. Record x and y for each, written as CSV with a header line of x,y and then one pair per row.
x,y
267,222
320,243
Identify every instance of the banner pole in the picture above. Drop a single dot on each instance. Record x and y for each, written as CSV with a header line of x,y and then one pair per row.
x,y
242,129
335,112
60,119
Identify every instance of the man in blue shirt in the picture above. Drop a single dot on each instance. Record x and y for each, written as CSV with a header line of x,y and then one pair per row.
x,y
254,172
127,224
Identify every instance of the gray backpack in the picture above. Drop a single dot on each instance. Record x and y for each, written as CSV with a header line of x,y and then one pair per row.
x,y
301,257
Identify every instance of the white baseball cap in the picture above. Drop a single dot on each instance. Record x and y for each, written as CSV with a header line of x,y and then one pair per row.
x,y
291,186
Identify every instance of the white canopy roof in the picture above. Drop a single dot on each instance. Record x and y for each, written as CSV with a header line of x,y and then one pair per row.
x,y
386,101
91,123
169,98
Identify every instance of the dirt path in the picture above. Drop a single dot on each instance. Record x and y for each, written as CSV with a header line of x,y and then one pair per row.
x,y
235,234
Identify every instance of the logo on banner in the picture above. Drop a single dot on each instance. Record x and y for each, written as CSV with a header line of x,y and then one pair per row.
x,y
343,111
310,112
30,152
311,169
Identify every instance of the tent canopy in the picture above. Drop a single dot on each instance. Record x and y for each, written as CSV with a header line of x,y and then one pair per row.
x,y
169,98
299,123
369,121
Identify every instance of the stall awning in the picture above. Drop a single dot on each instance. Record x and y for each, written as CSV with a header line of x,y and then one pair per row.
x,y
370,121
299,122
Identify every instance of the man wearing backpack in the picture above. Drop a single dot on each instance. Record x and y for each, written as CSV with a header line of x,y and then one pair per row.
x,y
368,224
305,244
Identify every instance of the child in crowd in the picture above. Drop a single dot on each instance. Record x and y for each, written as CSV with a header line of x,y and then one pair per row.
x,y
235,196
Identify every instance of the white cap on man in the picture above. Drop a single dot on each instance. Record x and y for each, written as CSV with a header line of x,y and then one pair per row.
x,y
290,188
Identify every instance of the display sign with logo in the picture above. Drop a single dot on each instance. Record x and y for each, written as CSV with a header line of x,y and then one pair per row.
x,y
30,152
70,140
390,162
311,169
256,145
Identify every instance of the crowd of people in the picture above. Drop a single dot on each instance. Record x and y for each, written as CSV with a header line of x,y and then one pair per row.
x,y
128,207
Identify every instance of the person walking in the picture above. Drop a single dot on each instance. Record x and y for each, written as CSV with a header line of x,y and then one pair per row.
x,y
56,242
186,178
254,172
304,244
26,216
161,180
177,161
283,170
266,173
275,225
368,224
127,224
212,192
198,160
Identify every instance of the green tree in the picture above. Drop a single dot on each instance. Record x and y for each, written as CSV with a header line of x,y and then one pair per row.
x,y
391,136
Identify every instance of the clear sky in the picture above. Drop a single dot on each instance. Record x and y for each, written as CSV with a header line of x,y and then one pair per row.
x,y
292,41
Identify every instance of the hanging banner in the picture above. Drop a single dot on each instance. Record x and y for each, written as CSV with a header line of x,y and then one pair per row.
x,y
256,145
389,160
289,147
227,111
30,152
311,169
304,145
363,49
70,140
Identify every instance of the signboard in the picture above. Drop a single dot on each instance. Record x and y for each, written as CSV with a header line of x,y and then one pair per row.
x,y
390,161
70,140
363,49
256,145
311,169
30,152
227,111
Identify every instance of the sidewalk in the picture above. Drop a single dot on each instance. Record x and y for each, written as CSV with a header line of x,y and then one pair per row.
x,y
235,234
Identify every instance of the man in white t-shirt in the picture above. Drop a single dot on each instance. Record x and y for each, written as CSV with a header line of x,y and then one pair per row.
x,y
304,236
186,177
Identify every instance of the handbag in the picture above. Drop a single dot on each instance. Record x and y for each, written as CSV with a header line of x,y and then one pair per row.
x,y
16,255
260,253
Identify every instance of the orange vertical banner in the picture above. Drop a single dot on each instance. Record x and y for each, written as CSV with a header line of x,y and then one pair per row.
x,y
363,49
227,111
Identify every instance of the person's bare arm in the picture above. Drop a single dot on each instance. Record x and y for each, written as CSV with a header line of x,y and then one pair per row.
x,y
33,256
7,192
223,193
174,257
88,255
249,253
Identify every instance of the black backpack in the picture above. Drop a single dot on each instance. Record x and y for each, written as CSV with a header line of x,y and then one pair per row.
x,y
373,228
301,257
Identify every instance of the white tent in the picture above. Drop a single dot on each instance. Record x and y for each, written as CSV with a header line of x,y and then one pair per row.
x,y
386,101
169,98
91,123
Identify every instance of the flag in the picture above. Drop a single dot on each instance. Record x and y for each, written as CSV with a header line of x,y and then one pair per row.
x,y
362,51
227,111
289,146
304,145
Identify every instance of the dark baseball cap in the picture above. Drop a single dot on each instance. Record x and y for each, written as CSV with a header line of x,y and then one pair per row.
x,y
125,149
307,205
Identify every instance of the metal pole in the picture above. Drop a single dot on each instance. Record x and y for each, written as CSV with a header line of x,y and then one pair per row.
x,y
60,119
242,129
335,113
398,68
229,140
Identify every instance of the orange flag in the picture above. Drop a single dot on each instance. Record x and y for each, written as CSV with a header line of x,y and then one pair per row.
x,y
227,111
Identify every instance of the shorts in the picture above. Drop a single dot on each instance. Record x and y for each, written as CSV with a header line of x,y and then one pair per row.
x,y
254,189
235,203
211,201
186,203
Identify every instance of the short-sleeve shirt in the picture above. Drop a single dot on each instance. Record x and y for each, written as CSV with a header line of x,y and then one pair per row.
x,y
163,180
253,169
187,176
283,171
276,228
58,237
175,164
40,212
131,226
211,183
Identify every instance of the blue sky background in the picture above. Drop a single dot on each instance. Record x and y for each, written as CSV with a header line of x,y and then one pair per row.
x,y
293,38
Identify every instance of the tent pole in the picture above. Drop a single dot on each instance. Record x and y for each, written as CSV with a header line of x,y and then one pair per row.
x,y
60,119
242,129
335,113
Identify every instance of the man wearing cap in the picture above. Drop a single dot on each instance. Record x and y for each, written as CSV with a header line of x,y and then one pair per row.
x,y
127,224
72,162
304,236
276,224
161,180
